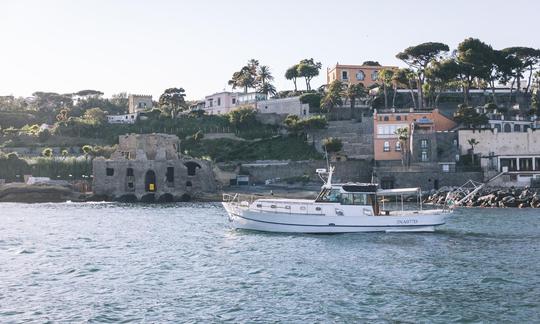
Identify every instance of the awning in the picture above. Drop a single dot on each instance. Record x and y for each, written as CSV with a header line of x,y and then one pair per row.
x,y
398,192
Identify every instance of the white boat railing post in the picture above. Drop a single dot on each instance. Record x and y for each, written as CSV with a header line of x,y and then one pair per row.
x,y
420,198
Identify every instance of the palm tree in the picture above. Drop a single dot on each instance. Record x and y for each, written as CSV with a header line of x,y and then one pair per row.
x,y
264,77
403,137
267,89
333,97
472,142
353,92
245,78
386,76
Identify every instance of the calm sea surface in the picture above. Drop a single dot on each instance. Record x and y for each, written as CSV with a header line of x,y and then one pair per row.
x,y
109,263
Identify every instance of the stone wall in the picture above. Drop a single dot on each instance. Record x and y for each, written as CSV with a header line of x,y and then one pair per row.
x,y
115,184
490,140
359,171
357,137
283,106
427,180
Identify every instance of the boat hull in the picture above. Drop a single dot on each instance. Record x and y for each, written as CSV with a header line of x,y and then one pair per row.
x,y
244,218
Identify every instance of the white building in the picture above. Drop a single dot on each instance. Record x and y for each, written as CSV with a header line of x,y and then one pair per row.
x,y
283,106
222,102
517,153
123,119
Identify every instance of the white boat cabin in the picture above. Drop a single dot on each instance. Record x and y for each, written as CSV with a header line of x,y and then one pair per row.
x,y
349,199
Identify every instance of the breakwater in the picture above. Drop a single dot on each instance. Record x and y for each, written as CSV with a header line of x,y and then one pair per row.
x,y
490,197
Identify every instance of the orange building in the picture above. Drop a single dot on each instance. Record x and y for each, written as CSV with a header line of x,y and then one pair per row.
x,y
354,74
386,144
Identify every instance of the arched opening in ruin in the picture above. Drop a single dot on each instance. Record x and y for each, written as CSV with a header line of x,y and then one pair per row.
x,y
192,167
185,197
130,180
188,184
148,198
129,198
166,198
150,181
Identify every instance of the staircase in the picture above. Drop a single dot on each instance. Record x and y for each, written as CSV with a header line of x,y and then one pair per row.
x,y
357,137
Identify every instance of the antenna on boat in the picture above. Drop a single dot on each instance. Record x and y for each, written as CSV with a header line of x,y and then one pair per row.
x,y
326,157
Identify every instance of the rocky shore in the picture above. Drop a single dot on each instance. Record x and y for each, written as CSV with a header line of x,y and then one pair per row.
x,y
491,197
43,193
38,193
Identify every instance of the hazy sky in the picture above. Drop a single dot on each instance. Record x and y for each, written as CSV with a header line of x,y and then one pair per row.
x,y
144,47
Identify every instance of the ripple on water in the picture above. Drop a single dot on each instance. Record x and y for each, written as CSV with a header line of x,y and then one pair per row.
x,y
150,263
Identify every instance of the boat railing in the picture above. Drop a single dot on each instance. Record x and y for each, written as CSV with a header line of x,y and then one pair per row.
x,y
238,198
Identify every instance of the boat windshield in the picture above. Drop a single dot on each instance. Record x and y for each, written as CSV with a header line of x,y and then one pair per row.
x,y
329,195
335,196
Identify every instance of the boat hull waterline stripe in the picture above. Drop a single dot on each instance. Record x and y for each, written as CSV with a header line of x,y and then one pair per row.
x,y
288,224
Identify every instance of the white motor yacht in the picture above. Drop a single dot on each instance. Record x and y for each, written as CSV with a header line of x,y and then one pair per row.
x,y
339,208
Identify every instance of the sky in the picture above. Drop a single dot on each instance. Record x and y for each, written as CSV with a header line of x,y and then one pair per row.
x,y
144,47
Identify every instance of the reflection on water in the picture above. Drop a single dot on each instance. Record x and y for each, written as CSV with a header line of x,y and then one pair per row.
x,y
104,262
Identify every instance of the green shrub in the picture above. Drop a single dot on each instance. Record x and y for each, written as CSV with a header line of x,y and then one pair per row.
x,y
332,144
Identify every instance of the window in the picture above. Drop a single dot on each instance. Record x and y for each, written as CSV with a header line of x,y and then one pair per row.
x,y
446,168
130,185
374,75
344,75
385,118
360,76
386,146
332,195
191,168
305,112
507,128
189,184
233,101
129,172
525,164
424,156
498,127
398,146
354,199
537,164
517,128
398,117
510,163
170,174
455,142
387,129
424,144
219,101
110,172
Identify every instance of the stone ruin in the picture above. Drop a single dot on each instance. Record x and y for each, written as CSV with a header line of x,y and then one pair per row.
x,y
148,168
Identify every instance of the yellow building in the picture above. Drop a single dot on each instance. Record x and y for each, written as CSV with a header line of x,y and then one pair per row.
x,y
354,74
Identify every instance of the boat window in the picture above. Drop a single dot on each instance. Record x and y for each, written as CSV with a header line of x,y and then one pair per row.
x,y
354,199
332,195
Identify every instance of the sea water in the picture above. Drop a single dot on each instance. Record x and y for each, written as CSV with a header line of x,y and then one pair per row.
x,y
108,263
